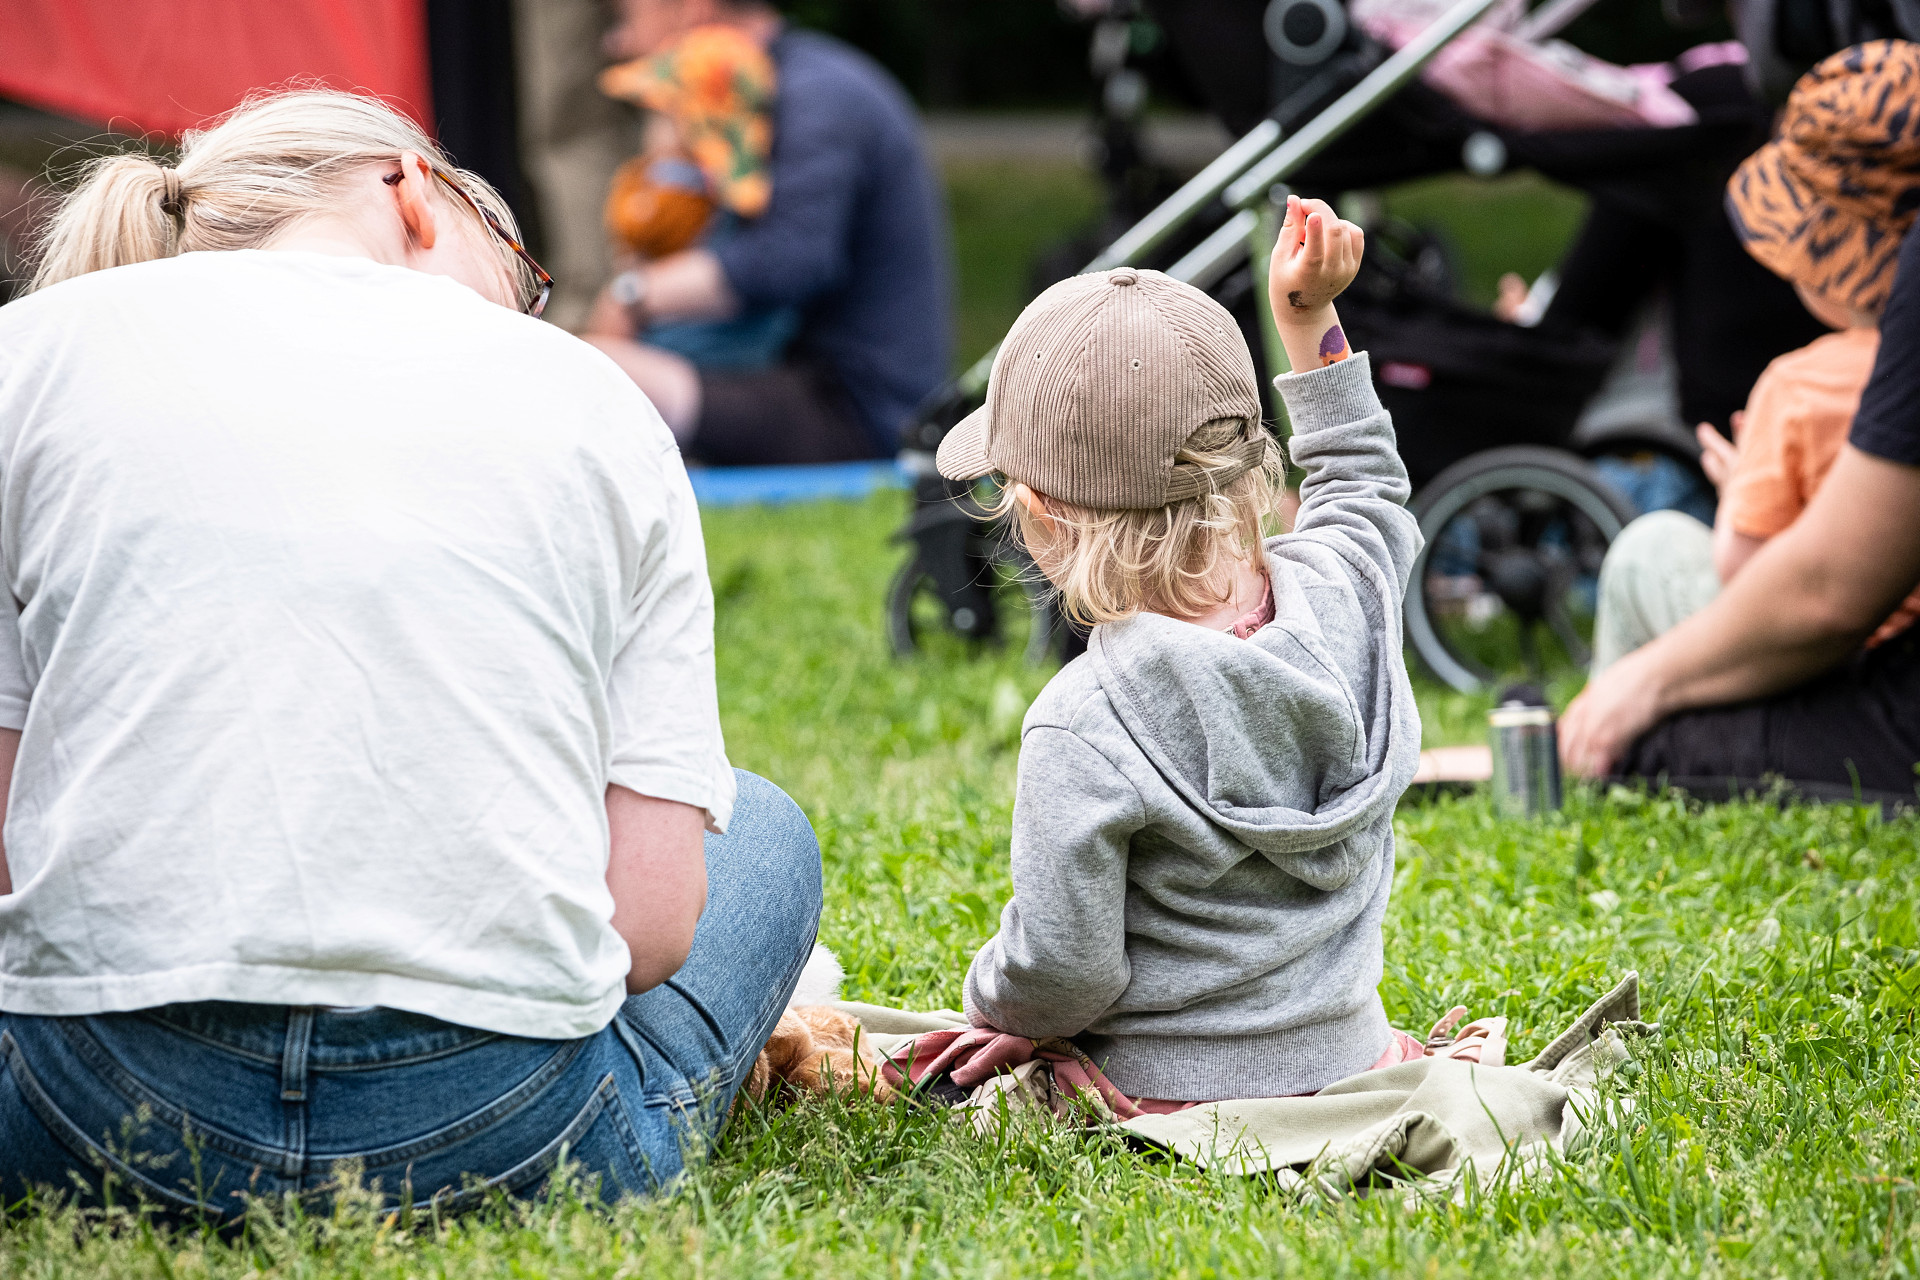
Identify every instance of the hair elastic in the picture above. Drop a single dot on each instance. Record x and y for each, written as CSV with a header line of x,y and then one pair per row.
x,y
173,197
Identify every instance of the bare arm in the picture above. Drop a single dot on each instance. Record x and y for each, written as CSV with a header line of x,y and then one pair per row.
x,y
9,751
1720,459
689,285
1807,598
657,873
1732,549
1315,257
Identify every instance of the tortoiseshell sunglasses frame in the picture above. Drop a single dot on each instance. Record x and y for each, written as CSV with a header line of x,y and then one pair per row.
x,y
545,281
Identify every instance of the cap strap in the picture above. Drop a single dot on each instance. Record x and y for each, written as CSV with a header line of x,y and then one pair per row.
x,y
1190,480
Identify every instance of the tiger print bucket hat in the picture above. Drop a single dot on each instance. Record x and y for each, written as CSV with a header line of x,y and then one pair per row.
x,y
1825,203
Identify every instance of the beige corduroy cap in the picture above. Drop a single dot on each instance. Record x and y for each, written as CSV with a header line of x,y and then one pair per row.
x,y
1101,379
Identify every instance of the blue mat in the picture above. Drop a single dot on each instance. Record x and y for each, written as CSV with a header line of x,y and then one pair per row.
x,y
771,486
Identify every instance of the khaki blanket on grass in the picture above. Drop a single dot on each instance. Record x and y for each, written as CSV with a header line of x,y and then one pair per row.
x,y
1423,1124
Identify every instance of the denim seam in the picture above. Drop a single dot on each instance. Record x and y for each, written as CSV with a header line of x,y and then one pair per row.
x,y
72,1137
268,1060
743,1059
536,1164
474,1123
635,1037
265,1060
132,1089
623,1129
347,1068
637,1042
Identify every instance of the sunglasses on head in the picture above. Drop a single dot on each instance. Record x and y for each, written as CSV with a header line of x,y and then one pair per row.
x,y
540,276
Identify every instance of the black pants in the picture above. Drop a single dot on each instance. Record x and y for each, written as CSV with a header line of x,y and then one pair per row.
x,y
1855,729
791,413
1730,314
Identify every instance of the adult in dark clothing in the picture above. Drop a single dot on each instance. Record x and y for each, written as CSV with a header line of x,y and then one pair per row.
x,y
854,237
1770,678
1663,226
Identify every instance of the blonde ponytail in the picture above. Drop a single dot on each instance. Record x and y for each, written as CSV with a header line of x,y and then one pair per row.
x,y
114,217
272,161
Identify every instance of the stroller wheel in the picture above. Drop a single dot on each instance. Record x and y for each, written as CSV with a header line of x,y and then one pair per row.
x,y
913,590
915,611
1508,579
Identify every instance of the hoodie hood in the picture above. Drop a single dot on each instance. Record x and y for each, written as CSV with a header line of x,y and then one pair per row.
x,y
1290,740
1203,838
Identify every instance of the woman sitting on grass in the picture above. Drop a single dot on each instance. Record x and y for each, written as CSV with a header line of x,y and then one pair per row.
x,y
356,646
1203,831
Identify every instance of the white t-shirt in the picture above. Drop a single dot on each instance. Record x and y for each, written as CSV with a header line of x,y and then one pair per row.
x,y
337,596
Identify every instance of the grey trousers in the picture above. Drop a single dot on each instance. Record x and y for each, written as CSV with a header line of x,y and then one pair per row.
x,y
1657,573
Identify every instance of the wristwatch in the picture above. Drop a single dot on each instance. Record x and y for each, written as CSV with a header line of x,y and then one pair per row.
x,y
629,289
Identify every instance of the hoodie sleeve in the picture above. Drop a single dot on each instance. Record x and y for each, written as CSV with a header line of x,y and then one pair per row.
x,y
1356,489
1060,958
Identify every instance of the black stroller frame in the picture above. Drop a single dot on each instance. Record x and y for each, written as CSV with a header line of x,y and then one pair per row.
x,y
1542,516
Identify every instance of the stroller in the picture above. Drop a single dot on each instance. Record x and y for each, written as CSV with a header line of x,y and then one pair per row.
x,y
1489,414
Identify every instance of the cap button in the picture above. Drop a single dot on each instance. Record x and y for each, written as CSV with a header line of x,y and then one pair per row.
x,y
1123,276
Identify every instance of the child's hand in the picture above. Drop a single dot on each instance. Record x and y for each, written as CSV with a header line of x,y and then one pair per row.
x,y
1718,455
1316,257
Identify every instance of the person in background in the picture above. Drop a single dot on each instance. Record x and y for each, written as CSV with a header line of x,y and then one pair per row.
x,y
1836,153
702,175
1771,678
852,238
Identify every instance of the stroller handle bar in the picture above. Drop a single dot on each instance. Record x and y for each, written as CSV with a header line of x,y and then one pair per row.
x,y
1246,170
1144,236
1380,84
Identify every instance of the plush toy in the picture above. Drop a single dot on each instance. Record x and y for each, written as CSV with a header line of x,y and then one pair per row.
x,y
711,97
658,204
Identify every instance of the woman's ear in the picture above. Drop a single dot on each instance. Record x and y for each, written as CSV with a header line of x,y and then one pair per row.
x,y
1032,500
413,190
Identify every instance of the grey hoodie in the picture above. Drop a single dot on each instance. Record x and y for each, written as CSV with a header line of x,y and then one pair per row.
x,y
1203,826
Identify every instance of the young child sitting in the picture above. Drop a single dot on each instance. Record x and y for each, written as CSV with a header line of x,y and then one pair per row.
x,y
1203,827
1824,205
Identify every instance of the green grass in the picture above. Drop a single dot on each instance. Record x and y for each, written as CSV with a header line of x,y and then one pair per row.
x,y
1516,222
1005,212
1777,1129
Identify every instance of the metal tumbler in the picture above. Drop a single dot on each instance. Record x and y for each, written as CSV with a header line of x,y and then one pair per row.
x,y
1526,760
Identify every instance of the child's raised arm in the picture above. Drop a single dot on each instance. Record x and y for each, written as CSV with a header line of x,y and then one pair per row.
x,y
1316,257
1356,488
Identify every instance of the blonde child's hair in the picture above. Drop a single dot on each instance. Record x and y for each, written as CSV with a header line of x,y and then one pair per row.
x,y
270,162
1106,565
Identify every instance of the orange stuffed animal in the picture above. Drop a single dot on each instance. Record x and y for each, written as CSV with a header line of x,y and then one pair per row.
x,y
708,144
657,205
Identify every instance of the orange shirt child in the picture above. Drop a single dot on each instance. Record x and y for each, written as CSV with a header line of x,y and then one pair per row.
x,y
1795,422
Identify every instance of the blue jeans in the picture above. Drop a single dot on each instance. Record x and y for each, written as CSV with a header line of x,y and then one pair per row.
x,y
195,1106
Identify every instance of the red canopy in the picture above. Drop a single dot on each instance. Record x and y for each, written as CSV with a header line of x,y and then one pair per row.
x,y
165,65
